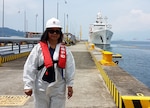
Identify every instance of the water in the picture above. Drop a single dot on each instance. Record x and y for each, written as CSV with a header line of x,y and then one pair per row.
x,y
136,58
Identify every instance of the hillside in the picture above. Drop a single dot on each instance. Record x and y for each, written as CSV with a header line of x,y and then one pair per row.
x,y
10,32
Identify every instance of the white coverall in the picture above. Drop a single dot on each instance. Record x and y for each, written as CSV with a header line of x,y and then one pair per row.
x,y
48,95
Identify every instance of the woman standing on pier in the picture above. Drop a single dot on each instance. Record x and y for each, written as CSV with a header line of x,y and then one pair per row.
x,y
49,69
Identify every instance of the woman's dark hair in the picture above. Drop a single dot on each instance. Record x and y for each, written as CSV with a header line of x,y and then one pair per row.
x,y
44,37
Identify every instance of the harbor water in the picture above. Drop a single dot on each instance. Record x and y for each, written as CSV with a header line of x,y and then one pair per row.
x,y
135,58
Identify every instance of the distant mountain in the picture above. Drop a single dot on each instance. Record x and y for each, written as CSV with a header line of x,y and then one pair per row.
x,y
6,32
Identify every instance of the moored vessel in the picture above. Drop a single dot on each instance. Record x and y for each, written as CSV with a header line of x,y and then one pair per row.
x,y
99,31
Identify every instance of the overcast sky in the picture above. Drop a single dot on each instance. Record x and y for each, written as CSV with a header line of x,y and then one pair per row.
x,y
130,19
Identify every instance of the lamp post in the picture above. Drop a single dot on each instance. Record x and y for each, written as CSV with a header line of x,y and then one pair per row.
x,y
36,22
65,19
43,15
25,20
3,20
67,25
64,23
58,13
67,31
58,8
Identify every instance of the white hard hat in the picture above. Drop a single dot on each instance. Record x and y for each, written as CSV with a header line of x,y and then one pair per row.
x,y
53,22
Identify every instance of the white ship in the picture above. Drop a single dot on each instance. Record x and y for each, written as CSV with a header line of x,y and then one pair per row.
x,y
100,31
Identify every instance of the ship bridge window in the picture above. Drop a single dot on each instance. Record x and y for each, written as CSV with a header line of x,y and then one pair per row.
x,y
100,25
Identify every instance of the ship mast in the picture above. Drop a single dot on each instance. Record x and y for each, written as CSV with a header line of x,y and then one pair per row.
x,y
99,18
105,21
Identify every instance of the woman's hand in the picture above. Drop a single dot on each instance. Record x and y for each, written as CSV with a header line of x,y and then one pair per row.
x,y
28,92
70,92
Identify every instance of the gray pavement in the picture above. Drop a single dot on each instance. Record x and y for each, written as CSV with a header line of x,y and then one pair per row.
x,y
90,90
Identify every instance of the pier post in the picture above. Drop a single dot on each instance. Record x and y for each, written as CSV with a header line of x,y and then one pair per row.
x,y
107,58
92,47
0,60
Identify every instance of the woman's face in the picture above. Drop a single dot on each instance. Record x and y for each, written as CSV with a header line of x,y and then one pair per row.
x,y
54,34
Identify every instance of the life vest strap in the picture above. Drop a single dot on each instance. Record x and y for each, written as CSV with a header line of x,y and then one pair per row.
x,y
40,67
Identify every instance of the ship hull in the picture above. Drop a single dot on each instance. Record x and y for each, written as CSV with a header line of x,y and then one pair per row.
x,y
101,37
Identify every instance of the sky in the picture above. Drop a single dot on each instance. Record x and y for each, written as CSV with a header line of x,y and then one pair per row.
x,y
130,19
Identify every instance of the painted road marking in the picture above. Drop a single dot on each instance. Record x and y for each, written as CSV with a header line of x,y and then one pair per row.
x,y
13,100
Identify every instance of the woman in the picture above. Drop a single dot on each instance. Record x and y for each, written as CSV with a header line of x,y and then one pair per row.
x,y
49,69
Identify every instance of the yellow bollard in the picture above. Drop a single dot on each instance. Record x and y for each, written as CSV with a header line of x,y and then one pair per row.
x,y
107,58
0,60
92,46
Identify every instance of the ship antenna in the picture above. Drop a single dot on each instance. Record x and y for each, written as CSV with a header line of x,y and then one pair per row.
x,y
105,21
99,17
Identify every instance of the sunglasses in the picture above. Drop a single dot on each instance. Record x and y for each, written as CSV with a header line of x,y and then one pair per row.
x,y
54,31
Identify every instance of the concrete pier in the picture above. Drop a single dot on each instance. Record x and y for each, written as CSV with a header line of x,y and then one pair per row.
x,y
90,90
99,82
127,91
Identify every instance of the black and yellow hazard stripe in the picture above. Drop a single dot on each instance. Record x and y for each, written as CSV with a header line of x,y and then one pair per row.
x,y
112,88
135,102
7,58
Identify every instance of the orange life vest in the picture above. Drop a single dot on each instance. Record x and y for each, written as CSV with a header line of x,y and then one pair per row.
x,y
47,58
